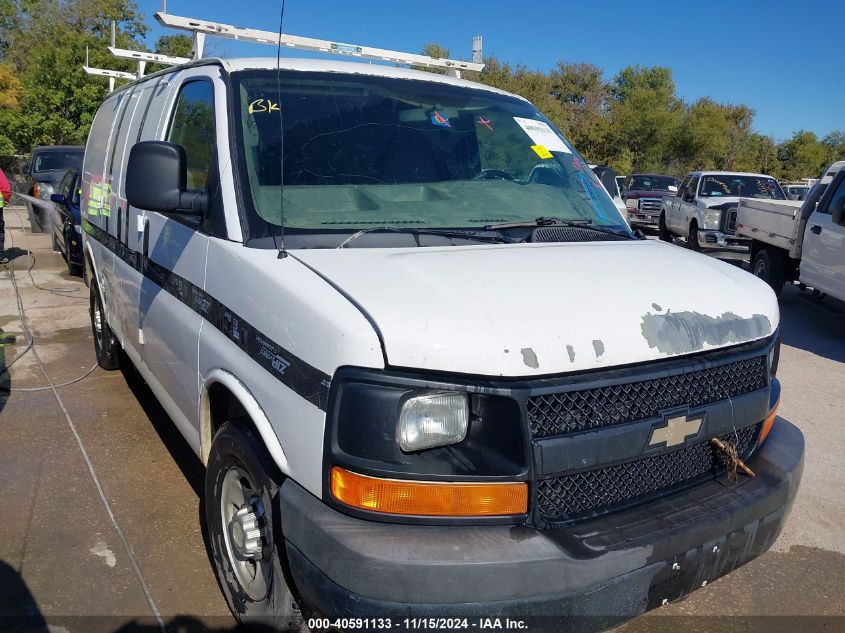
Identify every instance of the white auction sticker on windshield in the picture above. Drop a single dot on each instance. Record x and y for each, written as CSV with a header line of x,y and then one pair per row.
x,y
542,134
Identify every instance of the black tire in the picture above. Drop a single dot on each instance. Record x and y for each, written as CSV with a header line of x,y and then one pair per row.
x,y
238,455
692,238
662,230
106,347
768,266
74,270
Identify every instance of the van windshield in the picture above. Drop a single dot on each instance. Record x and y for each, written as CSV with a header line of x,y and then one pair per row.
x,y
363,151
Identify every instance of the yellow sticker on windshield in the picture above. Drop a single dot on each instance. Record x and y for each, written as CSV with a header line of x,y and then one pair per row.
x,y
541,151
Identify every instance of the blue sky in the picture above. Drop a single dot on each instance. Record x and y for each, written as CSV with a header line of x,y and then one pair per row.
x,y
782,58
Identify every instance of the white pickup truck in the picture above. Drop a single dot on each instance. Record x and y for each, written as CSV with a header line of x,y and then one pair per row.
x,y
703,211
800,241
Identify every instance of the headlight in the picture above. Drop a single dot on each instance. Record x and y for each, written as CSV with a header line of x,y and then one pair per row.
x,y
434,419
631,203
45,190
712,218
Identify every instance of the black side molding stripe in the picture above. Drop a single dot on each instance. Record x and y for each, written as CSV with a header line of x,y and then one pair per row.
x,y
307,381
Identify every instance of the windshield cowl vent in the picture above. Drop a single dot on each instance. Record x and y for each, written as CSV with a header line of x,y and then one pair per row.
x,y
572,234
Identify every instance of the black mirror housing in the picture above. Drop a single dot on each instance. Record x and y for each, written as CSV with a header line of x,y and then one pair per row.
x,y
156,178
837,211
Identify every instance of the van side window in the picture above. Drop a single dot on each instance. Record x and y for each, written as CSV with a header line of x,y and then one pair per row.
x,y
192,127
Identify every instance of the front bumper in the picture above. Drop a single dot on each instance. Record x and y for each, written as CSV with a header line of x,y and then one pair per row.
x,y
593,574
718,241
643,218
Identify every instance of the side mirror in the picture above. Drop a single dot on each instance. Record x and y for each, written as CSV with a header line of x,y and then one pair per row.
x,y
837,211
156,178
58,198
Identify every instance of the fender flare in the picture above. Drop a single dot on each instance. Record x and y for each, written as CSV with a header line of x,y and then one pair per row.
x,y
252,408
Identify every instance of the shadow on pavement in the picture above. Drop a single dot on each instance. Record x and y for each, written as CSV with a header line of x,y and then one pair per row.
x,y
18,609
812,325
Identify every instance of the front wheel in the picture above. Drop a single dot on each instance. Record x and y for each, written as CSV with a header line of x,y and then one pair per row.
x,y
768,266
663,230
244,530
692,238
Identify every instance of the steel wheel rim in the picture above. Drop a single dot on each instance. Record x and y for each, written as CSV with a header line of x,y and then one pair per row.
x,y
236,492
760,269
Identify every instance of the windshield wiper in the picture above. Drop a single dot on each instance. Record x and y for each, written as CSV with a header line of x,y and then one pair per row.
x,y
493,239
552,222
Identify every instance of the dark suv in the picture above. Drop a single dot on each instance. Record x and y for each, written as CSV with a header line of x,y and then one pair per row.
x,y
643,195
44,171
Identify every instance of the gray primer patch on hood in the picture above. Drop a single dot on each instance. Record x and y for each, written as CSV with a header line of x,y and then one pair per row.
x,y
529,357
571,351
684,332
599,347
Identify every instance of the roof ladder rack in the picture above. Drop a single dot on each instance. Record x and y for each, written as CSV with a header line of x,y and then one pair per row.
x,y
201,28
139,56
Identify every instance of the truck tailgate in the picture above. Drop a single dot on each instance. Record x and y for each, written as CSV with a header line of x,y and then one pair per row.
x,y
771,221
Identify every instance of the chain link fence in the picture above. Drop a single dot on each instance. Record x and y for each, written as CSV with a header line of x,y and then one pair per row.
x,y
13,166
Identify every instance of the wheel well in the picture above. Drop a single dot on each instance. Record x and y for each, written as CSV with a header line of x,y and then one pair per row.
x,y
223,406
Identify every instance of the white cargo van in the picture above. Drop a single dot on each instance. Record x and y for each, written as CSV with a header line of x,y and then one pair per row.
x,y
385,308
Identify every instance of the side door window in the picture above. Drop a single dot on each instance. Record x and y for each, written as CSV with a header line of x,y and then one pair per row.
x,y
192,127
75,190
692,189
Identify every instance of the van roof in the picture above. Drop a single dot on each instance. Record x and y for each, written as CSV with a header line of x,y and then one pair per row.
x,y
352,68
330,66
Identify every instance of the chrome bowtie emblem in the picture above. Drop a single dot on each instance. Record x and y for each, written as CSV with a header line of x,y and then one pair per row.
x,y
678,428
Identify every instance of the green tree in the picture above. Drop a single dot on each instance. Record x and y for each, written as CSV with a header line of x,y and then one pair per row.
x,y
645,115
583,95
803,156
58,100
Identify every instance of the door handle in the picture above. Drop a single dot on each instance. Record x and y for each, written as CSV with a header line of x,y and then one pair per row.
x,y
816,229
145,249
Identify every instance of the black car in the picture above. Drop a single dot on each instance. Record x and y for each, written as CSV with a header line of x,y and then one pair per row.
x,y
66,225
44,170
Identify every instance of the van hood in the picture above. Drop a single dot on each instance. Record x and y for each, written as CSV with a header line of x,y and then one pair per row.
x,y
538,309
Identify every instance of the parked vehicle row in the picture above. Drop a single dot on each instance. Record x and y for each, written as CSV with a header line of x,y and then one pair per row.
x,y
644,195
800,241
66,223
704,210
44,171
417,380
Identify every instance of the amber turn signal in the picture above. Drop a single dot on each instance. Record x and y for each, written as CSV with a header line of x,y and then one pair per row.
x,y
428,498
769,422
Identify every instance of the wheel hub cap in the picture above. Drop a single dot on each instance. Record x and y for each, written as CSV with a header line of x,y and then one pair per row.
x,y
246,531
246,527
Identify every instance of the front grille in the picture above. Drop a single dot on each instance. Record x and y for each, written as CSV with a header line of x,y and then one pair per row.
x,y
574,411
651,205
605,489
